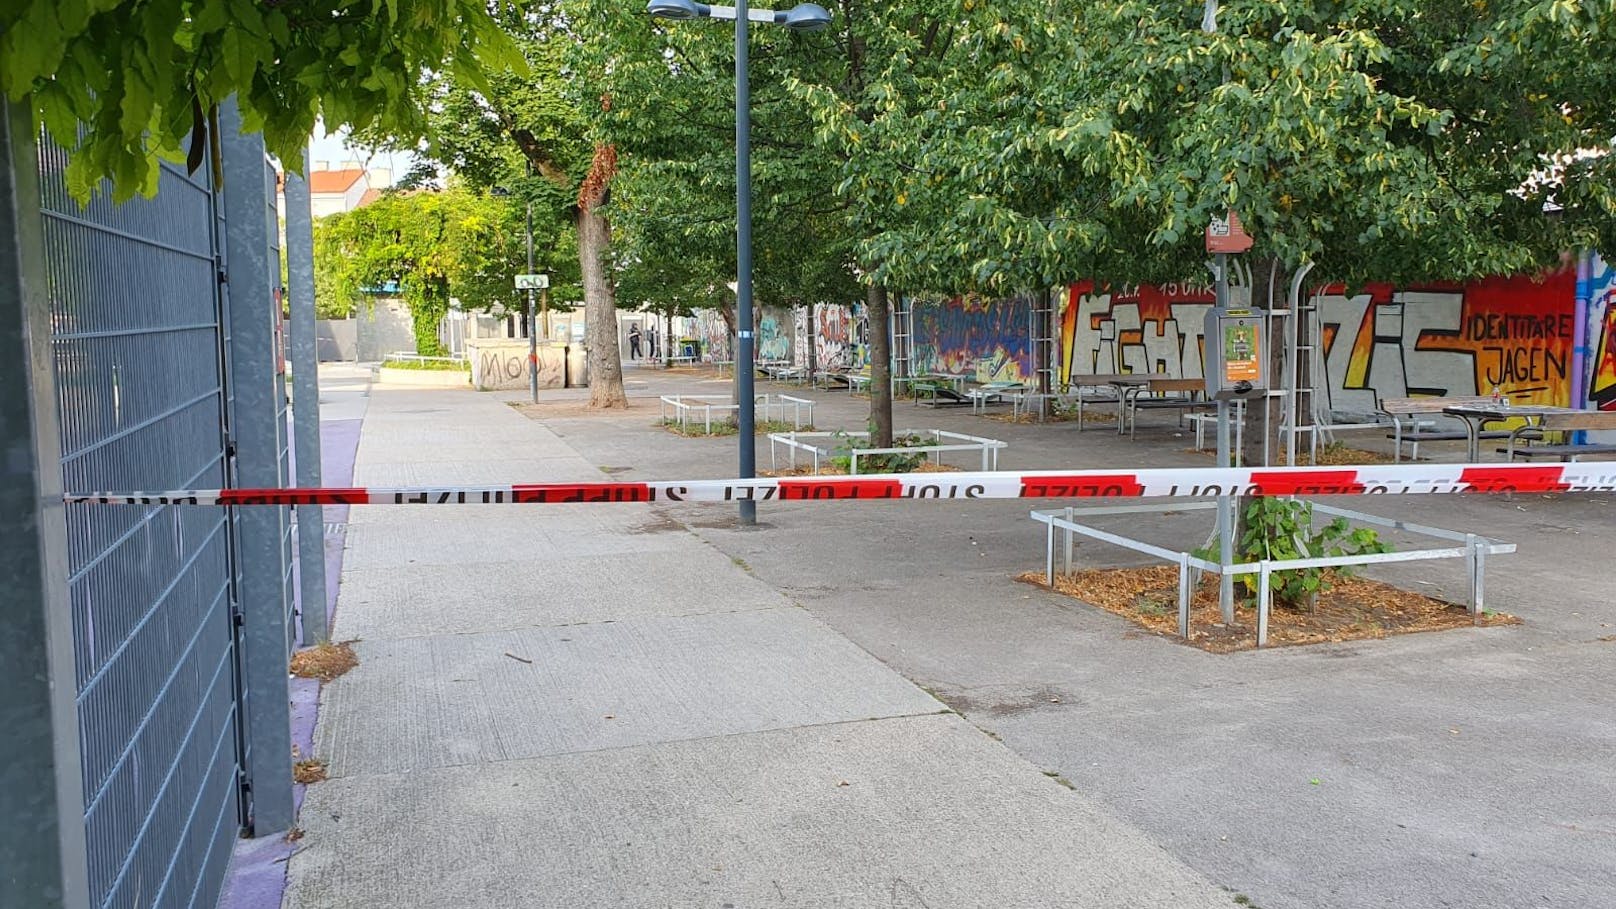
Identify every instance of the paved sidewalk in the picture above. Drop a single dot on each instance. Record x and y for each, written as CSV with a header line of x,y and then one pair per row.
x,y
590,706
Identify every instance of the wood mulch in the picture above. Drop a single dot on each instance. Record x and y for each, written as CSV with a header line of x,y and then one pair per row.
x,y
1063,416
831,470
1338,455
1353,609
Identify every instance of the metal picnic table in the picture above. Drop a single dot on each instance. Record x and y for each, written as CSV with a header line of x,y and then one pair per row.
x,y
1477,415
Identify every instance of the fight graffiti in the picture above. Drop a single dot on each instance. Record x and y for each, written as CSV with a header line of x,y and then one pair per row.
x,y
1515,333
1132,329
990,340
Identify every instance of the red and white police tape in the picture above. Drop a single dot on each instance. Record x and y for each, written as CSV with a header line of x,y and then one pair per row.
x,y
1588,476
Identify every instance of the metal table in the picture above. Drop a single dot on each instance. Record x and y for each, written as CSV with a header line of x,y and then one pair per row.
x,y
957,380
1475,416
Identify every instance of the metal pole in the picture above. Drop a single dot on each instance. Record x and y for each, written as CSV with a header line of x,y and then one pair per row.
x,y
1220,270
1226,557
306,404
745,364
532,327
42,843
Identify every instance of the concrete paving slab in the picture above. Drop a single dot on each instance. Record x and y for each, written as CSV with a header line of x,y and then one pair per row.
x,y
549,588
908,813
453,699
459,535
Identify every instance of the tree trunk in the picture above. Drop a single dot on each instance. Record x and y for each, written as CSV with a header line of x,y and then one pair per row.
x,y
600,309
877,313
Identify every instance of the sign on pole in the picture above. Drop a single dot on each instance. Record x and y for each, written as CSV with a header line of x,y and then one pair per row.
x,y
1225,235
532,282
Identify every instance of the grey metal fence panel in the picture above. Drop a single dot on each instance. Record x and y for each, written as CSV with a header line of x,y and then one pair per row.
x,y
137,343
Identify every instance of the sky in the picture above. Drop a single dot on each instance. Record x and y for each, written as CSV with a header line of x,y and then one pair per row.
x,y
335,151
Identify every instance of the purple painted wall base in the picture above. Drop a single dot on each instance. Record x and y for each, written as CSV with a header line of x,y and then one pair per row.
x,y
257,878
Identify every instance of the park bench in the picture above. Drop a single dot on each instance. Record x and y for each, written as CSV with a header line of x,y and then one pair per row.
x,y
785,373
1409,429
936,393
1176,394
991,393
1533,436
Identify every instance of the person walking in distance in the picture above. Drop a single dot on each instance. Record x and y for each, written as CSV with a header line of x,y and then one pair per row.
x,y
634,341
651,336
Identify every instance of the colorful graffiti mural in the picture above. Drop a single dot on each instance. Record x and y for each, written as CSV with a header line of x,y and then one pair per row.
x,y
1601,338
1382,342
990,340
1514,333
773,334
834,343
714,334
1132,329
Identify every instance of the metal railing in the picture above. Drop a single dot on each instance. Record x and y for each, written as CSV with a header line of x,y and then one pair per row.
x,y
1474,549
685,409
840,446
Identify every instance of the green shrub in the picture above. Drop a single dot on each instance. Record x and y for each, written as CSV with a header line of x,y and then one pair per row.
x,y
1279,529
881,463
448,365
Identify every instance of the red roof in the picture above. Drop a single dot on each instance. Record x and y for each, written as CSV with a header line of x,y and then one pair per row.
x,y
371,195
334,181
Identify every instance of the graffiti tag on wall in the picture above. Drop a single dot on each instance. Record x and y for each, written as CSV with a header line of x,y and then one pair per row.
x,y
834,325
1514,333
1441,340
990,340
1133,330
1602,334
774,343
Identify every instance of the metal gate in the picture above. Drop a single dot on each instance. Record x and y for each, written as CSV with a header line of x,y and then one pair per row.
x,y
138,332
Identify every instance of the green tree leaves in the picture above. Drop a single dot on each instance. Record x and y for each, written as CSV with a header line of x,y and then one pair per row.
x,y
134,72
1389,139
434,245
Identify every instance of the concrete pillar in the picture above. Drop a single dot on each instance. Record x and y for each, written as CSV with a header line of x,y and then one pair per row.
x,y
306,403
42,846
257,432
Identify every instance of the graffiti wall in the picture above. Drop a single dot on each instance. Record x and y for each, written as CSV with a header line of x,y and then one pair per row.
x,y
714,334
1107,329
834,325
841,342
1516,333
774,333
988,339
1601,329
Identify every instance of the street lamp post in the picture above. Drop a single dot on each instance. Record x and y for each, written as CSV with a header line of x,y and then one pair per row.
x,y
802,17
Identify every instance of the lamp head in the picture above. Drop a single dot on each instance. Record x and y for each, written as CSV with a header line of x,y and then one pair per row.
x,y
676,9
804,17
